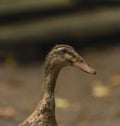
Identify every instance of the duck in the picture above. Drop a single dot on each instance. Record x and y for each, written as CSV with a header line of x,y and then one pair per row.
x,y
59,56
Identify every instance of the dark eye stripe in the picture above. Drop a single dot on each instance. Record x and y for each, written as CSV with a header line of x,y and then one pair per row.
x,y
70,53
63,51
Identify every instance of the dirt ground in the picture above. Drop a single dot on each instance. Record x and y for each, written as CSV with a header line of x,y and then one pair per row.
x,y
82,99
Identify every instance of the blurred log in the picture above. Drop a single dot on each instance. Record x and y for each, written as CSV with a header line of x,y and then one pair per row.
x,y
21,6
97,22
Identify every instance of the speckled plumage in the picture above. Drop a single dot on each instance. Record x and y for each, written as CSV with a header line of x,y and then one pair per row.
x,y
59,56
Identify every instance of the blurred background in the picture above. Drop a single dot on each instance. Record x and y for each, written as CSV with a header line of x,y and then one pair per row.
x,y
29,29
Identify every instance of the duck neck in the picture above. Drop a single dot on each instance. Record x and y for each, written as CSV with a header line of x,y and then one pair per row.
x,y
51,75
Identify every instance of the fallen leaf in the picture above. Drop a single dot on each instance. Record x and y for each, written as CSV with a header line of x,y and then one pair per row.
x,y
62,103
10,62
100,90
7,113
115,80
14,83
84,119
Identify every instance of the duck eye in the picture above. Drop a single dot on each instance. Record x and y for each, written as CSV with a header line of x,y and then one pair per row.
x,y
64,51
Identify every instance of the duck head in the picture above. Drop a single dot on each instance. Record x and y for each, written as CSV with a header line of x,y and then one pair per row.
x,y
64,55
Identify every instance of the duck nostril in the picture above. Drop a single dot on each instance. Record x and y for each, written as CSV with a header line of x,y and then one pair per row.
x,y
81,61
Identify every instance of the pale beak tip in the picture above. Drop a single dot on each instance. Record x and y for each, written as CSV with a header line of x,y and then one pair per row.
x,y
85,67
91,71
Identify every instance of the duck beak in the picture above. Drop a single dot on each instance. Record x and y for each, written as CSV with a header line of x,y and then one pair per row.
x,y
84,66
